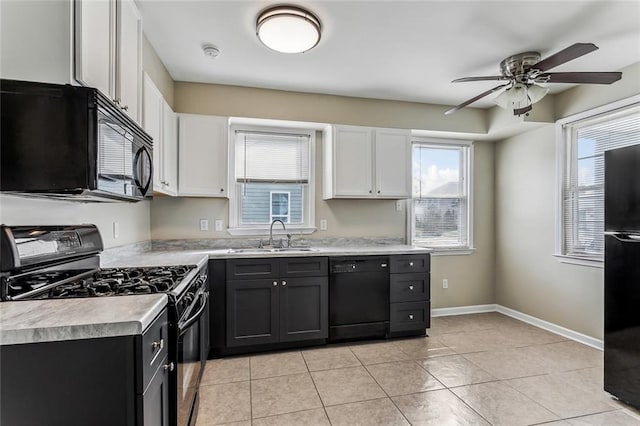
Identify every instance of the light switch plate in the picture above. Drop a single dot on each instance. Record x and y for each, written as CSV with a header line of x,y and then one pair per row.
x,y
219,224
398,205
116,230
204,224
323,224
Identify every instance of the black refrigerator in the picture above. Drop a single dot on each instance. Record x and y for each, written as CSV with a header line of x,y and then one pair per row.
x,y
622,274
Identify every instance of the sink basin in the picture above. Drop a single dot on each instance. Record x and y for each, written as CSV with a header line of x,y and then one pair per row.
x,y
272,250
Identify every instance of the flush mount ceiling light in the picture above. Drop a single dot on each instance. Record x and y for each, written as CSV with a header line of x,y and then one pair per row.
x,y
211,51
288,29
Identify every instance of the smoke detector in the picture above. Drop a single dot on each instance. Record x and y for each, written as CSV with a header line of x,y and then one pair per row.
x,y
211,51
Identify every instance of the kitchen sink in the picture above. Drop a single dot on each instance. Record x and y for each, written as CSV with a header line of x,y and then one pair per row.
x,y
272,250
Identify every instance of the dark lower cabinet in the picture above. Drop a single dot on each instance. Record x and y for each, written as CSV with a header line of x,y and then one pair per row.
x,y
409,295
290,306
104,381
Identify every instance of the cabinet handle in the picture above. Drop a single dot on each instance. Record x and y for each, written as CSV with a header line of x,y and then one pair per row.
x,y
410,263
411,287
275,283
411,317
284,283
125,108
169,366
383,265
157,345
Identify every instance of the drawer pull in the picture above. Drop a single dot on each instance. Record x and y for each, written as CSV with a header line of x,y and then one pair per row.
x,y
411,317
157,345
411,287
410,263
169,366
284,283
275,283
383,265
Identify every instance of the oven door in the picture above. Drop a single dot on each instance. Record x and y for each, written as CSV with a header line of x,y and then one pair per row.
x,y
191,358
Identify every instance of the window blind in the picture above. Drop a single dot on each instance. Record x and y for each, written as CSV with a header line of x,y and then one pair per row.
x,y
440,212
271,157
583,188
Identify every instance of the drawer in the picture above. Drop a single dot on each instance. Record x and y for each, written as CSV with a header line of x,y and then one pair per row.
x,y
304,267
151,349
409,316
409,263
251,269
409,287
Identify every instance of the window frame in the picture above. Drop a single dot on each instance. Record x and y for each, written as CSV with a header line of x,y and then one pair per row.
x,y
308,208
566,130
467,174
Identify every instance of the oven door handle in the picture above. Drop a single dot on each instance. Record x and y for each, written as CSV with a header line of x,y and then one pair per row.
x,y
182,328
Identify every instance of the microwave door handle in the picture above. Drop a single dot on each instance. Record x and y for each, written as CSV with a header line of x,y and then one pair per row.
x,y
136,170
182,328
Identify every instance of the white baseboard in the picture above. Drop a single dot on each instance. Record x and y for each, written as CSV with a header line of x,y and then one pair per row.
x,y
463,310
540,323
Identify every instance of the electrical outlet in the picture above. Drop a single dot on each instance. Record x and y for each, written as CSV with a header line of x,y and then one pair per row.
x,y
116,230
219,225
204,224
445,283
398,205
323,224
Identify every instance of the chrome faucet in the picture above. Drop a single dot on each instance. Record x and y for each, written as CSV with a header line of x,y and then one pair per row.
x,y
271,231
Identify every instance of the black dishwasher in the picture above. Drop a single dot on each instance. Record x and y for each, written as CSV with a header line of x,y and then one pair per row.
x,y
358,297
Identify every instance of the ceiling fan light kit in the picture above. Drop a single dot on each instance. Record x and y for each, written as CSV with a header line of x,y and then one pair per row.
x,y
288,29
525,72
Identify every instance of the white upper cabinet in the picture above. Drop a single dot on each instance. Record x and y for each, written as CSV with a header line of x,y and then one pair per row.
x,y
108,51
365,162
202,166
161,124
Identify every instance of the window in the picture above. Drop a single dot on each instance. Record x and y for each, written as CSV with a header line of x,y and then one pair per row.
x,y
441,206
273,174
280,209
584,142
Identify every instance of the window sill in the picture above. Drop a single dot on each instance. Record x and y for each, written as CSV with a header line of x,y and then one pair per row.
x,y
276,231
450,252
592,263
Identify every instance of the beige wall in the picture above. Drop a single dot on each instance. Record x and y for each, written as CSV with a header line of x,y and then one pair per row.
x,y
133,218
528,277
153,66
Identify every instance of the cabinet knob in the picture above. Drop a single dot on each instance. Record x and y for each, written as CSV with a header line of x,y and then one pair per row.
x,y
370,192
221,189
157,345
383,265
410,263
411,287
169,366
411,317
275,283
378,191
284,283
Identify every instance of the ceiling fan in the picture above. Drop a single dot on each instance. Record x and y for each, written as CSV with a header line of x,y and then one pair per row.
x,y
525,72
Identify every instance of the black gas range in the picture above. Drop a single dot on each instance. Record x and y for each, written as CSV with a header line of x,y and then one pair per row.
x,y
61,262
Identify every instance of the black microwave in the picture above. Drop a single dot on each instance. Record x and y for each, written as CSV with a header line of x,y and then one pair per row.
x,y
71,142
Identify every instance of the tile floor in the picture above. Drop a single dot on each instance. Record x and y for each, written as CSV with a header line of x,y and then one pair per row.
x,y
476,369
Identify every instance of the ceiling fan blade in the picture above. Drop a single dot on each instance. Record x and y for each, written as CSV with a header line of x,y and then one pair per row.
x,y
492,77
472,100
566,55
581,77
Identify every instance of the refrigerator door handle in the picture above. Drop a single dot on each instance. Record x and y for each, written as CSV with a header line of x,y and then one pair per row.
x,y
625,238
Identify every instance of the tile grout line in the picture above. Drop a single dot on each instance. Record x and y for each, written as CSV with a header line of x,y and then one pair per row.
x,y
324,408
387,394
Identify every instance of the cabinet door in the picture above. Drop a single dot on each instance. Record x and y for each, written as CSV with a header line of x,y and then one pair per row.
x,y
94,44
153,406
393,163
252,312
202,167
304,309
129,58
152,123
169,149
352,161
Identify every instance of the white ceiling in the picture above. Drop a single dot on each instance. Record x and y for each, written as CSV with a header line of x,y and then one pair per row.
x,y
402,50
